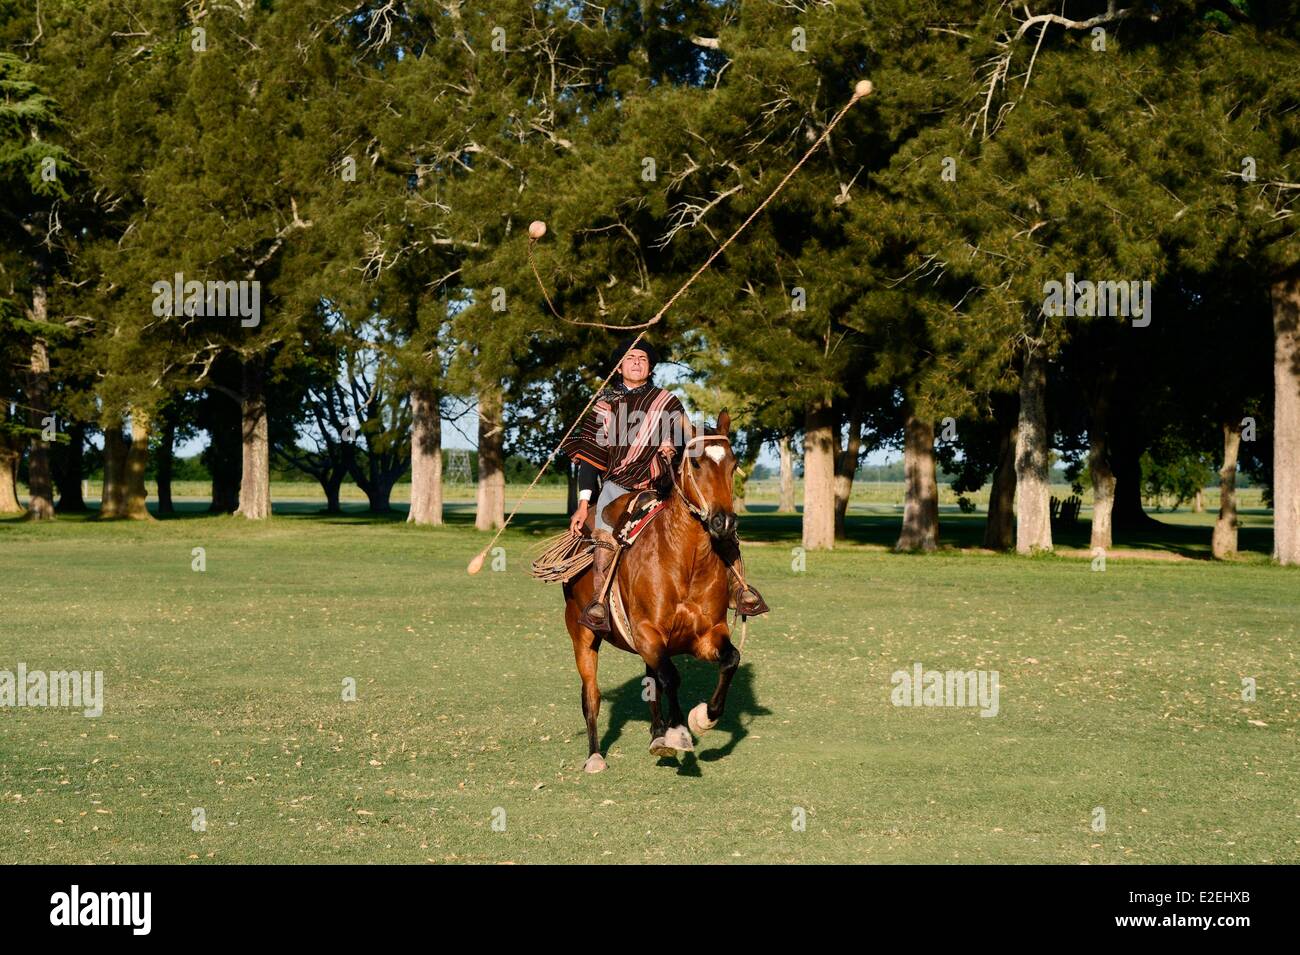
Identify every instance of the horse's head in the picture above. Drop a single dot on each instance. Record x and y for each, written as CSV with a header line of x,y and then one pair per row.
x,y
705,477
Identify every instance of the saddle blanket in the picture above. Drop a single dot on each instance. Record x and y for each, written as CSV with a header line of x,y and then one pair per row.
x,y
638,515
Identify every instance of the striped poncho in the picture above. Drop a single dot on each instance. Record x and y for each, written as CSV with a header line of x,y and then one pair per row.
x,y
621,435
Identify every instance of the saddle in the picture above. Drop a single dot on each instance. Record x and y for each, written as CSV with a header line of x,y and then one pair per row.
x,y
628,514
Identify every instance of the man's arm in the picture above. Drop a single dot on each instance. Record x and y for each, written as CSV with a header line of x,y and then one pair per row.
x,y
675,438
587,481
589,442
588,447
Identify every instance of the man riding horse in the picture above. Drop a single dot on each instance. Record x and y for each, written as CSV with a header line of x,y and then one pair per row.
x,y
627,443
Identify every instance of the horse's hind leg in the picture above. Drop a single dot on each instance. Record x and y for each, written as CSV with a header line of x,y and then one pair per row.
x,y
587,655
705,716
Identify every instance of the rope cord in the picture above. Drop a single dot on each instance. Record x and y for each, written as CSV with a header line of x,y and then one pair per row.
x,y
862,89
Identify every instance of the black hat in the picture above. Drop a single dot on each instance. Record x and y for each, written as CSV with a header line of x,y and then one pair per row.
x,y
644,345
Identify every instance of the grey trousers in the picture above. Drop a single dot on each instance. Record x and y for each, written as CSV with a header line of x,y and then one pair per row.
x,y
608,491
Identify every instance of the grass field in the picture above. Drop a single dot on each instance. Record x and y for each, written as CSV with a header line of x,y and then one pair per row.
x,y
223,692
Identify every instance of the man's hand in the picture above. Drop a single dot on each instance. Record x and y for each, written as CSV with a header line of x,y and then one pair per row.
x,y
667,449
579,518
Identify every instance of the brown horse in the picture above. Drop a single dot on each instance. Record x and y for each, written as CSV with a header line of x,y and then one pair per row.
x,y
674,588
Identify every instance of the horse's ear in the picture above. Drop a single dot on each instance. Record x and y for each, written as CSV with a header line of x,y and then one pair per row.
x,y
687,431
724,422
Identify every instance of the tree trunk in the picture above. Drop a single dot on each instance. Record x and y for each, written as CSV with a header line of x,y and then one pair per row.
x,y
490,512
220,416
112,499
1103,490
786,504
378,495
137,462
166,457
68,471
1126,462
999,528
330,484
744,468
1033,489
921,489
255,474
1223,543
1099,454
819,478
40,480
9,456
846,466
426,459
1286,419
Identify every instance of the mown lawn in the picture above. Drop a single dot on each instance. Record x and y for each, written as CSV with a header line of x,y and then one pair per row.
x,y
1120,689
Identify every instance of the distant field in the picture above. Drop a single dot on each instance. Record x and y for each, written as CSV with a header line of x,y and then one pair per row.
x,y
760,492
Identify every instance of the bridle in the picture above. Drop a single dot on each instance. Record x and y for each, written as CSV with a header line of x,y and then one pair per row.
x,y
702,515
698,512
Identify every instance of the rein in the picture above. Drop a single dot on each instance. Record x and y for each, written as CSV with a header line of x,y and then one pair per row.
x,y
701,515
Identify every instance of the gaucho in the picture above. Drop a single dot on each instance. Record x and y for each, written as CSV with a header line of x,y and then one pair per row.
x,y
627,442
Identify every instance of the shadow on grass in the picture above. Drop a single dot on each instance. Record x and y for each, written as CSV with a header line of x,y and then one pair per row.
x,y
872,525
625,706
966,531
1185,540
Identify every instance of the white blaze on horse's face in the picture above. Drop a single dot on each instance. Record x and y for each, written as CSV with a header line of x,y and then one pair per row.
x,y
715,447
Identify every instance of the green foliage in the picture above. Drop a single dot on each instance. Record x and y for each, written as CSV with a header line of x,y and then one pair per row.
x,y
1176,472
375,170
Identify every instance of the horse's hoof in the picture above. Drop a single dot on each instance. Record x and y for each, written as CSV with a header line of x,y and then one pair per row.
x,y
659,747
698,719
679,738
595,764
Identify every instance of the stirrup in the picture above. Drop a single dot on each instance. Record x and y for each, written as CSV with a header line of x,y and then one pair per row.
x,y
590,622
750,603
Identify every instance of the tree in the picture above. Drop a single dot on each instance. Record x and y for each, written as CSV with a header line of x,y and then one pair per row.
x,y
32,171
213,221
383,411
323,443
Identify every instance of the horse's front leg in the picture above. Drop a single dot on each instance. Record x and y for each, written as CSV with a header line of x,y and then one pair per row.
x,y
586,652
716,645
651,686
675,738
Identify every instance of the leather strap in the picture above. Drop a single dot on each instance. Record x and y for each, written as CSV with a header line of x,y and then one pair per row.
x,y
696,511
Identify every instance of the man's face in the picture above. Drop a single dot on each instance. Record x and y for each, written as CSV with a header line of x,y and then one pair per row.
x,y
635,367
